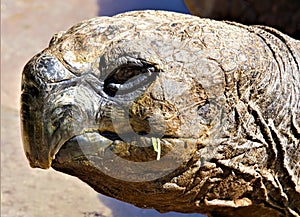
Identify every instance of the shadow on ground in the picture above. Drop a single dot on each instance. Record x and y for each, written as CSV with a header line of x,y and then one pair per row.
x,y
121,209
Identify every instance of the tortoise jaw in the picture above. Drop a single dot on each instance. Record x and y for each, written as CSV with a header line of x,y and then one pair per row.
x,y
84,144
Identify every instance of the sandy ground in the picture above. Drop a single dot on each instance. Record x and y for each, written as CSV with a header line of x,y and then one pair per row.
x,y
26,28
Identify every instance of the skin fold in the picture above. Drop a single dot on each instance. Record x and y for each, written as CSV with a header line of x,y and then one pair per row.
x,y
170,111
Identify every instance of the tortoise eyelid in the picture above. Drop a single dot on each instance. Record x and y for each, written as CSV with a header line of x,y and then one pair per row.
x,y
128,75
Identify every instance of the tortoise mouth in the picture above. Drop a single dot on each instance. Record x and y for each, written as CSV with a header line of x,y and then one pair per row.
x,y
110,135
108,139
133,161
142,148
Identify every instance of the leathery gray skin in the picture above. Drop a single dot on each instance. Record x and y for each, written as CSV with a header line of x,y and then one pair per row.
x,y
226,95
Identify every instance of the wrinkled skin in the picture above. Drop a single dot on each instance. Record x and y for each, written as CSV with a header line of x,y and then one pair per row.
x,y
280,14
220,97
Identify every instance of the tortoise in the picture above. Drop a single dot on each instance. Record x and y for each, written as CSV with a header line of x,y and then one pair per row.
x,y
170,111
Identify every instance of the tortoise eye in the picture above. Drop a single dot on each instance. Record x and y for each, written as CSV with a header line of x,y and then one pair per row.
x,y
129,77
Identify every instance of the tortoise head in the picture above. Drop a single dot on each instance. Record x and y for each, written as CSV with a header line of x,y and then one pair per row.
x,y
100,68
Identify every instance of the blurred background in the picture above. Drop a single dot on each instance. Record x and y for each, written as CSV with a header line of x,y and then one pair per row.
x,y
112,7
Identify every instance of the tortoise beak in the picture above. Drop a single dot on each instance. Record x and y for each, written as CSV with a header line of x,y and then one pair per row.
x,y
37,158
32,126
34,146
41,162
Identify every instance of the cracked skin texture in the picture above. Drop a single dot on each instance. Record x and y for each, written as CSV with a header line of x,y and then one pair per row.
x,y
222,97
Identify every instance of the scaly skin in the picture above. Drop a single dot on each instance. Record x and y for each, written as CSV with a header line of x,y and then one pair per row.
x,y
220,97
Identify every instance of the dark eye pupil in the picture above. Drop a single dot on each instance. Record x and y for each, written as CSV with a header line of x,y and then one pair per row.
x,y
124,73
